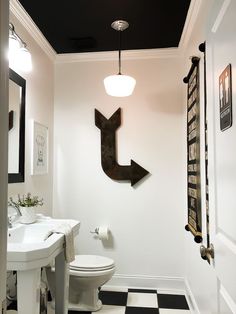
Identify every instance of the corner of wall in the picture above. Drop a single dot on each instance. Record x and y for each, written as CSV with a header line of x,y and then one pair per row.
x,y
190,298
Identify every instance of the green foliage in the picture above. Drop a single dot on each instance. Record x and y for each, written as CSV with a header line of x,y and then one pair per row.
x,y
26,201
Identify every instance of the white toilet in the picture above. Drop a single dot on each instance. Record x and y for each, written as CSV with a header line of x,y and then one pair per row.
x,y
87,274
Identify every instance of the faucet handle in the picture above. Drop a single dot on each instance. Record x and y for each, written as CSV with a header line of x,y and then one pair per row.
x,y
12,217
9,220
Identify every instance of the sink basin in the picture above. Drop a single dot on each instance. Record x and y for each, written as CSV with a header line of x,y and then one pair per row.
x,y
34,245
29,233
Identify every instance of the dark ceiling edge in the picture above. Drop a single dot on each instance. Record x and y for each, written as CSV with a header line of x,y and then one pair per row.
x,y
24,18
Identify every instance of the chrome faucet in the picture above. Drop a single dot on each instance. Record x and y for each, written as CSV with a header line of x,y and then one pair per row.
x,y
18,210
9,219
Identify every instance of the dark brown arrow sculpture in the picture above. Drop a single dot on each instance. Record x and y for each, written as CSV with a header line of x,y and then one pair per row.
x,y
108,128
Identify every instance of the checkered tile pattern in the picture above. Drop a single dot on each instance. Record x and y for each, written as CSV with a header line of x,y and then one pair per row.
x,y
139,301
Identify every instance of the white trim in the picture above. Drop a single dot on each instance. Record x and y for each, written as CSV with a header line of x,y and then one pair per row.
x,y
165,285
224,238
113,55
191,299
220,15
19,12
171,284
228,299
190,22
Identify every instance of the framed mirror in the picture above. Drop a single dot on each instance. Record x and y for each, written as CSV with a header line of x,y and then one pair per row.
x,y
16,134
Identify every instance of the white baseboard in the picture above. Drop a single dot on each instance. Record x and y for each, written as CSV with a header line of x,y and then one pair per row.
x,y
190,299
166,285
162,284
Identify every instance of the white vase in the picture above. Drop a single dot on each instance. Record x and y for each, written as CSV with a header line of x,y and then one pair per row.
x,y
28,215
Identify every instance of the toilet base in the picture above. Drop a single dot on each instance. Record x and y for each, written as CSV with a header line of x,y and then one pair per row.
x,y
79,307
85,300
83,308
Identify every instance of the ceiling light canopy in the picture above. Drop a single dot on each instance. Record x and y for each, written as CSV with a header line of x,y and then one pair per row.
x,y
19,55
119,85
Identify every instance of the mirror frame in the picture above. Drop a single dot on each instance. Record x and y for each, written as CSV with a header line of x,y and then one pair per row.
x,y
20,176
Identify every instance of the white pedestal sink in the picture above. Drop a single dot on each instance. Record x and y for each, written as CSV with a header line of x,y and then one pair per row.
x,y
31,247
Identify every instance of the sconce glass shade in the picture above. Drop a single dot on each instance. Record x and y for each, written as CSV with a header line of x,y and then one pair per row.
x,y
14,44
24,59
119,85
14,47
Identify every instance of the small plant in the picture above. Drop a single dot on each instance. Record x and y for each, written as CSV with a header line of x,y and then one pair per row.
x,y
26,201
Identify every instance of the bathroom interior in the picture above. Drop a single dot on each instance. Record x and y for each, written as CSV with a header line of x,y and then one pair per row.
x,y
155,264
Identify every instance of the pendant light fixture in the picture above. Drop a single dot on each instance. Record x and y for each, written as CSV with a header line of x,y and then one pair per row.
x,y
119,85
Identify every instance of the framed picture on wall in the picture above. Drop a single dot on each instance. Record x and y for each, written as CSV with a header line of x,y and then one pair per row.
x,y
225,98
39,155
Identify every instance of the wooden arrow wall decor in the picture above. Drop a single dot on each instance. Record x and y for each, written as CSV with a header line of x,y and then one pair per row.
x,y
108,127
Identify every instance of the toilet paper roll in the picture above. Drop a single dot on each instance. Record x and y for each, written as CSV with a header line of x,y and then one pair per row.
x,y
103,233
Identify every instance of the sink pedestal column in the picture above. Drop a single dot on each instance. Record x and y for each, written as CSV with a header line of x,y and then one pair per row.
x,y
28,291
28,288
62,284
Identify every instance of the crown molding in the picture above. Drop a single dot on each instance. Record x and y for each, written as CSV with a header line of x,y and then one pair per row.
x,y
220,15
190,22
19,12
113,55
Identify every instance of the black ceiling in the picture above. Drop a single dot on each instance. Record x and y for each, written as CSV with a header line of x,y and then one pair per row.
x,y
84,25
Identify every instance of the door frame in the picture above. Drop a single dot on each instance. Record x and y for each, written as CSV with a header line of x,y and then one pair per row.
x,y
222,248
4,78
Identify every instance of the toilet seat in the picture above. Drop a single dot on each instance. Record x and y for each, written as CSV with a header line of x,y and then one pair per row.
x,y
91,263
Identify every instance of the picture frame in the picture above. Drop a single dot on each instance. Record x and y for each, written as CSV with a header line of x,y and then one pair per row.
x,y
39,153
225,98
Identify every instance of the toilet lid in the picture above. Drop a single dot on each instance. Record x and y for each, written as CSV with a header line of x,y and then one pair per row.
x,y
91,263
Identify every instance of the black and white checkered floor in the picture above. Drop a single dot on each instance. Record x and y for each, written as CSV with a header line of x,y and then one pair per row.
x,y
137,301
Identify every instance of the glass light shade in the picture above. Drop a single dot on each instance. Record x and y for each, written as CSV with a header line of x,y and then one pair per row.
x,y
23,59
12,60
14,44
14,47
119,85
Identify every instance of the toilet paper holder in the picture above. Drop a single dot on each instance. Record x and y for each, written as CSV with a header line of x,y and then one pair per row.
x,y
96,231
101,232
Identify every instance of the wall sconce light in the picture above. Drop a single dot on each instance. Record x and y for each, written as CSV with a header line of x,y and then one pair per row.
x,y
119,85
19,55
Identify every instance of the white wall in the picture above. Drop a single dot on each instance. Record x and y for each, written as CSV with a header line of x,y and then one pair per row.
x,y
200,276
147,221
39,106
